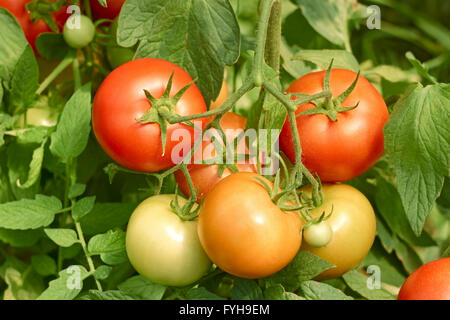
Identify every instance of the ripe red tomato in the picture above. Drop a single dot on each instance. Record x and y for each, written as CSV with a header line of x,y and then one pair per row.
x,y
243,232
32,29
120,101
429,282
205,176
110,12
341,150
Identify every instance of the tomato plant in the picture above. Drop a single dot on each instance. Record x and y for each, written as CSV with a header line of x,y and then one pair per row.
x,y
353,226
429,282
243,231
116,54
118,105
342,149
162,247
32,29
79,37
39,117
205,176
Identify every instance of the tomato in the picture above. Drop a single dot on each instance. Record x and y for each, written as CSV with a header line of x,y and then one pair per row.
x,y
79,37
341,150
162,247
205,176
353,224
110,12
429,282
318,235
32,29
39,117
116,54
223,95
120,100
243,231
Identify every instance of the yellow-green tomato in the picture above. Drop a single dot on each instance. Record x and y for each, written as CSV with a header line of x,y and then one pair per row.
x,y
39,117
79,31
318,235
353,224
162,247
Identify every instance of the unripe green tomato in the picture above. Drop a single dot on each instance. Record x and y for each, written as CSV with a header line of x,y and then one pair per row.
x,y
78,36
162,247
39,117
116,54
318,235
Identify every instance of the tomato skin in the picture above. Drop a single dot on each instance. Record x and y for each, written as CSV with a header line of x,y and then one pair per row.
x,y
120,100
353,224
44,117
110,12
222,97
162,247
79,37
429,282
32,30
341,150
205,176
243,232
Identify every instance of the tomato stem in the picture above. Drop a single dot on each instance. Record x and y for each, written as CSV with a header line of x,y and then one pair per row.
x,y
55,73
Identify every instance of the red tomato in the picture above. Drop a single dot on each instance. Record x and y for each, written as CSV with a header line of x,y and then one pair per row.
x,y
120,101
30,29
110,12
430,282
205,176
341,150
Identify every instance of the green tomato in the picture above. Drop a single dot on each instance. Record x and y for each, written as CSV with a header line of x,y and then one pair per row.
x,y
162,247
78,36
318,235
39,117
116,54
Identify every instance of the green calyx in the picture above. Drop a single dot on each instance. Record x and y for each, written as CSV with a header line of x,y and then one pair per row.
x,y
330,106
188,211
162,110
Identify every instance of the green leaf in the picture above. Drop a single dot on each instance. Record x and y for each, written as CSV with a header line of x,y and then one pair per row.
x,y
391,73
43,264
67,286
277,292
143,288
76,190
161,27
102,272
304,266
72,132
28,213
358,282
409,258
107,295
21,286
35,167
110,246
53,46
314,290
33,135
20,238
246,289
25,80
62,237
12,42
390,206
201,293
329,18
106,216
83,207
322,58
387,239
417,143
420,68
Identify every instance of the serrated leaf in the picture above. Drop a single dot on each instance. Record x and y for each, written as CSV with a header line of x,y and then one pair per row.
x,y
67,286
277,292
314,290
304,266
246,289
143,288
322,58
28,213
107,295
35,167
201,293
83,207
110,246
417,142
72,132
358,282
43,264
162,26
62,237
25,80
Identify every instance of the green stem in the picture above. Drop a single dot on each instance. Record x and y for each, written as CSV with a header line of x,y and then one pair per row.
x,y
87,8
76,74
55,73
272,50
